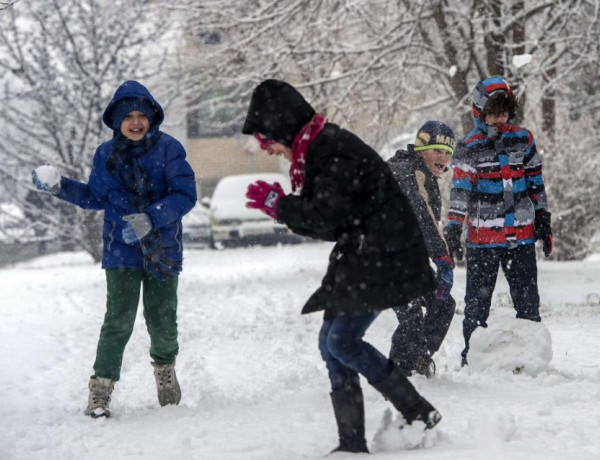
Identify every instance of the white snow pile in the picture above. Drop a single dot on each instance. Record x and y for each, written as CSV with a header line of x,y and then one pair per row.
x,y
394,434
520,60
513,345
254,384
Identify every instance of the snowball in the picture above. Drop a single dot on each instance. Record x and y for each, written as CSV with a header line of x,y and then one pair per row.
x,y
48,175
510,344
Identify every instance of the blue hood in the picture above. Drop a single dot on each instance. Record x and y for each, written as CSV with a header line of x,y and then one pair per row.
x,y
133,89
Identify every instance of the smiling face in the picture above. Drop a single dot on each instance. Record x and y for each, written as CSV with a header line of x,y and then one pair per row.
x,y
436,160
135,125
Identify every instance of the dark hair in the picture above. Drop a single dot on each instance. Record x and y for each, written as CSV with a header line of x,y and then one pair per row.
x,y
500,102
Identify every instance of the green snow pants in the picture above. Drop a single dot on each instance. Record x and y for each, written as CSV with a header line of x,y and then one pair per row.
x,y
160,312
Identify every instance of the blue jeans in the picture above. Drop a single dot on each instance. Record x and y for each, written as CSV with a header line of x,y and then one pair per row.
x,y
346,354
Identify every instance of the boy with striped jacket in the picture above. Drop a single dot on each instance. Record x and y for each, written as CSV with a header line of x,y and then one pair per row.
x,y
498,189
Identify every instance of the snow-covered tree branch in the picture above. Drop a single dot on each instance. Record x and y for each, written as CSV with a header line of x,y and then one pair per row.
x,y
61,61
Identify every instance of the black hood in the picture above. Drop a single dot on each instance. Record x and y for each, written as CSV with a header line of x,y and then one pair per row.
x,y
278,111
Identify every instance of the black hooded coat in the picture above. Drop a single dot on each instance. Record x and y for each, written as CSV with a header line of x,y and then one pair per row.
x,y
351,197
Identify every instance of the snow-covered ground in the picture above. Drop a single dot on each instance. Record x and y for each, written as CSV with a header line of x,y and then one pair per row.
x,y
254,386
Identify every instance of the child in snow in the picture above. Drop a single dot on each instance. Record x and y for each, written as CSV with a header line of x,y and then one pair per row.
x,y
144,184
498,188
345,193
417,170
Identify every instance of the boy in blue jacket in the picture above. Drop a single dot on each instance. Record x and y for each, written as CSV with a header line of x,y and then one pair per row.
x,y
144,184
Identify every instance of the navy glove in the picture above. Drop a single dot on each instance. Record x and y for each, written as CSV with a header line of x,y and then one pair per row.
x,y
445,277
543,231
46,179
138,226
452,234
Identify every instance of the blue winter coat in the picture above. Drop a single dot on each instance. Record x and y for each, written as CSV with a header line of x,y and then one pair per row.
x,y
169,176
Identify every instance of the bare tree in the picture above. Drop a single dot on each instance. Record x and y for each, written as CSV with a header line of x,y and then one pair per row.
x,y
6,4
60,61
382,67
378,67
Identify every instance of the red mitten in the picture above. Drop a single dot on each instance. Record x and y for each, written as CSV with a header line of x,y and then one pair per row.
x,y
264,197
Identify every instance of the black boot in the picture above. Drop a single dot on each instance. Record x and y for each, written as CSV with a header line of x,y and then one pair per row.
x,y
349,409
402,394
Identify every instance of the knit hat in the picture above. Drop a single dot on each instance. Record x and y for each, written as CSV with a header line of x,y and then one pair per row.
x,y
435,135
125,106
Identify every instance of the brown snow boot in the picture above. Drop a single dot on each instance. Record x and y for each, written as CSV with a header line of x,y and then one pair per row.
x,y
99,399
425,366
167,385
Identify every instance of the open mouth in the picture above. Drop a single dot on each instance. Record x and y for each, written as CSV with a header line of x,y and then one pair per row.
x,y
440,167
136,132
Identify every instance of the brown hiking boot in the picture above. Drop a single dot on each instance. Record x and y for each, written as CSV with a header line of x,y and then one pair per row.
x,y
167,386
425,366
99,399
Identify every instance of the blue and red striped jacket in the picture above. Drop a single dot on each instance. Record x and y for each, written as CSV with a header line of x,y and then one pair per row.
x,y
497,187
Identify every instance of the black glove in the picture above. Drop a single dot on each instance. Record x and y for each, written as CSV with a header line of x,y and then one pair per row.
x,y
452,234
543,231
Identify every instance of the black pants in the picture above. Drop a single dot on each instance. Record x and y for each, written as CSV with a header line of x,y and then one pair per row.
x,y
418,335
520,269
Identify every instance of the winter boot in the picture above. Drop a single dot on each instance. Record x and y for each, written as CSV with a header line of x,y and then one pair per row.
x,y
402,394
349,410
167,385
425,366
100,390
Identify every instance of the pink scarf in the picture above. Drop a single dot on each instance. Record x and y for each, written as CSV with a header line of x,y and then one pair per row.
x,y
300,147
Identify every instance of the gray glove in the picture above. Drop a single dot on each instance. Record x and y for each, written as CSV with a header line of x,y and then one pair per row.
x,y
138,226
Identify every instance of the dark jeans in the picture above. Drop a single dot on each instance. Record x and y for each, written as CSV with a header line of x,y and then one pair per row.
x,y
160,312
346,354
520,269
418,335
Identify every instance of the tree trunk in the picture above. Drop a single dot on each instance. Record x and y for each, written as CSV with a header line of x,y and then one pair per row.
x,y
494,41
549,103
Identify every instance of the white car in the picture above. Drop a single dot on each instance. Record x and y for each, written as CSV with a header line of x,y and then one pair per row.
x,y
196,226
233,223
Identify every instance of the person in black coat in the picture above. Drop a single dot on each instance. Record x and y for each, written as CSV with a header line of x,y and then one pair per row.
x,y
345,192
417,170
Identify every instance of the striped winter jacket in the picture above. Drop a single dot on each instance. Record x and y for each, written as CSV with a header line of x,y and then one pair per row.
x,y
497,187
